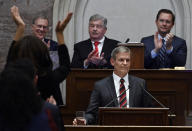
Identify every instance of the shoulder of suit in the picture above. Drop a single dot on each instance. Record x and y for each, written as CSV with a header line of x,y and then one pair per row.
x,y
84,42
51,41
104,80
178,38
112,40
147,37
135,78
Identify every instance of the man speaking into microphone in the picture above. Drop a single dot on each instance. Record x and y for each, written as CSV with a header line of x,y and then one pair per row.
x,y
118,90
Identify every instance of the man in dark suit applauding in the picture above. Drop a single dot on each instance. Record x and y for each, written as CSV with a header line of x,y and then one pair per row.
x,y
109,91
94,52
164,50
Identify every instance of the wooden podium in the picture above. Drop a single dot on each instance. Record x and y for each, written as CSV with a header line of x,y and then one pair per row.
x,y
133,116
137,54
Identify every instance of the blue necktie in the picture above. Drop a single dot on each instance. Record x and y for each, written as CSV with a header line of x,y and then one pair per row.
x,y
162,54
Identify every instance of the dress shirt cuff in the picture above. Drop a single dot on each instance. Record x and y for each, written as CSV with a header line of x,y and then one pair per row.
x,y
153,54
85,66
170,50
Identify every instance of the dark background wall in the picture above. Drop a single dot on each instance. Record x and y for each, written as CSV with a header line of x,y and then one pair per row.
x,y
28,9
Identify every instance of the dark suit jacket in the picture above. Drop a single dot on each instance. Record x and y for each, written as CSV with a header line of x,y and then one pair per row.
x,y
104,92
53,44
176,58
49,84
83,48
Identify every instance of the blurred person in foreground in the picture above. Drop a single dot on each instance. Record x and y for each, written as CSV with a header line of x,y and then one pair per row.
x,y
21,107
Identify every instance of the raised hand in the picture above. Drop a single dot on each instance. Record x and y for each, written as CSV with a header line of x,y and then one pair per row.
x,y
158,42
16,16
169,39
60,28
95,59
61,25
19,22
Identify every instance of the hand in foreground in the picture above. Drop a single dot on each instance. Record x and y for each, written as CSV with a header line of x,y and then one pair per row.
x,y
19,22
51,100
77,121
61,25
16,16
60,28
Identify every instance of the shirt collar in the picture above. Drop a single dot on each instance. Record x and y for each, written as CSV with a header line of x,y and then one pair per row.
x,y
117,78
160,37
101,40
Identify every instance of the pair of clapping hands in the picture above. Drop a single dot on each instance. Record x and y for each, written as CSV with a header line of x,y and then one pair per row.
x,y
94,58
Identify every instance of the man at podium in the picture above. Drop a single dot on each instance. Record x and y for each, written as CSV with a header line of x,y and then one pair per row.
x,y
118,90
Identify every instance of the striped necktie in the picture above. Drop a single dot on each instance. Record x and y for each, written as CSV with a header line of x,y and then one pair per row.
x,y
162,54
123,98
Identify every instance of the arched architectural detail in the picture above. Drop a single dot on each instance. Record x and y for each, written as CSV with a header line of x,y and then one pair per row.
x,y
142,16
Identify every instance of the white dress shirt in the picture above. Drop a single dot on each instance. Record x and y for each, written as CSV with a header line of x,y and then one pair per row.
x,y
117,86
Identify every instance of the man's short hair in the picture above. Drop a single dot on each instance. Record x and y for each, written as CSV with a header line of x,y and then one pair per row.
x,y
167,11
119,49
41,16
98,17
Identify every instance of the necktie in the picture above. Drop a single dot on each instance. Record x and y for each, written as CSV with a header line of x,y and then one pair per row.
x,y
96,47
123,99
162,54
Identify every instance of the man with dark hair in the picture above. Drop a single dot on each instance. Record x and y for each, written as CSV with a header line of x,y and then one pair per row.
x,y
21,107
164,50
94,52
118,90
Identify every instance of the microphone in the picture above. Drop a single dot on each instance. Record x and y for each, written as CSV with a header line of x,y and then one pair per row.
x,y
116,97
127,40
154,98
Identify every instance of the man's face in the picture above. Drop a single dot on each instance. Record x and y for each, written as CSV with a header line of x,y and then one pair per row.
x,y
121,64
40,28
96,30
164,23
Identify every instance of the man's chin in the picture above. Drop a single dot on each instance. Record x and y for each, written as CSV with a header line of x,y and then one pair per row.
x,y
40,37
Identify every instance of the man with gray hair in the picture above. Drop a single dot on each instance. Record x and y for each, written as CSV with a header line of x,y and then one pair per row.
x,y
95,51
118,90
40,27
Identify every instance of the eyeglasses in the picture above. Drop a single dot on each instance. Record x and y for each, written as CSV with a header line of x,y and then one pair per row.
x,y
166,21
97,26
41,26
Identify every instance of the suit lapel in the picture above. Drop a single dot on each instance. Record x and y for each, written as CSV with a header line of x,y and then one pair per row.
x,y
111,88
105,45
89,46
131,91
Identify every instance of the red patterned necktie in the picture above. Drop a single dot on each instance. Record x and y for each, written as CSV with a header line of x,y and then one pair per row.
x,y
96,47
123,98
